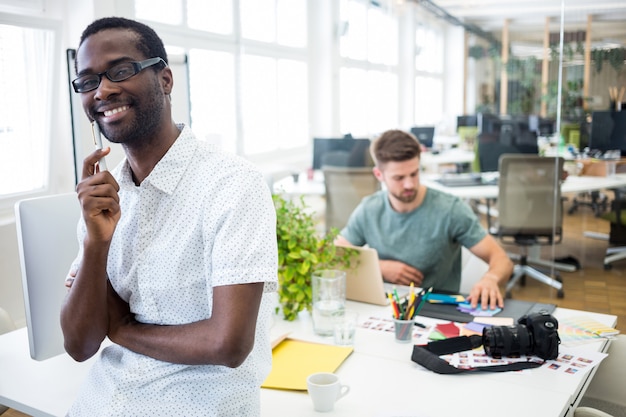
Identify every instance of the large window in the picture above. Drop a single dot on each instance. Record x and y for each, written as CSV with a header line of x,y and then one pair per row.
x,y
368,74
429,63
26,71
248,78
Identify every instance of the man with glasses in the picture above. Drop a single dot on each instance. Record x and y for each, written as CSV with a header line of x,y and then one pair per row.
x,y
177,260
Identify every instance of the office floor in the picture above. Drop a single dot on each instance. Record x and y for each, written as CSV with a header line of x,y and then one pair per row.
x,y
591,288
13,413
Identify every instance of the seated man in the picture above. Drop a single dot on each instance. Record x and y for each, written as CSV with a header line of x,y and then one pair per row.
x,y
418,232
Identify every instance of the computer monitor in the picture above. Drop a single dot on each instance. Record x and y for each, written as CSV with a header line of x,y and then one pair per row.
x,y
543,126
503,134
425,134
608,131
346,152
467,121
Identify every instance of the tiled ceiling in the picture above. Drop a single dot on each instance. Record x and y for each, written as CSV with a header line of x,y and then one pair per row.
x,y
527,18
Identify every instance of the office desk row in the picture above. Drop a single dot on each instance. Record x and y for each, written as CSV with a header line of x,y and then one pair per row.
x,y
384,381
573,184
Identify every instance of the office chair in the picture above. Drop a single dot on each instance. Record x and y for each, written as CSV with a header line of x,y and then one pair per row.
x,y
529,211
605,394
617,235
47,244
345,188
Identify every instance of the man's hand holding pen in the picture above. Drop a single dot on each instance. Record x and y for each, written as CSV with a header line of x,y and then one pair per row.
x,y
97,193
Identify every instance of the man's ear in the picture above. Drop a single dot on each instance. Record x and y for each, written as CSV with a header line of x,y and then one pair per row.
x,y
167,80
378,174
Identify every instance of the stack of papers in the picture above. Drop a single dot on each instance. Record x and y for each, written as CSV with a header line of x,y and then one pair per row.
x,y
589,325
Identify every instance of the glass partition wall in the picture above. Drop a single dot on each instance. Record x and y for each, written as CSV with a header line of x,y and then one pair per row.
x,y
556,75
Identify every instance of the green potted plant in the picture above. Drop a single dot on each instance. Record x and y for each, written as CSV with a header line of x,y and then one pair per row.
x,y
301,250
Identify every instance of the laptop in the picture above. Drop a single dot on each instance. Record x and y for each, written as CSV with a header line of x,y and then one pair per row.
x,y
364,282
467,180
47,243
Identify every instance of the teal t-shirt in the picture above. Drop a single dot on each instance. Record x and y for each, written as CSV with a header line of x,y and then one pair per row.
x,y
429,238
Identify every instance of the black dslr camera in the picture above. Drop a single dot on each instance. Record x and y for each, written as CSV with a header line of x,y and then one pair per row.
x,y
535,334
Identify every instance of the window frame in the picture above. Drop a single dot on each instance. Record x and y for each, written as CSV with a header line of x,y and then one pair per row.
x,y
52,153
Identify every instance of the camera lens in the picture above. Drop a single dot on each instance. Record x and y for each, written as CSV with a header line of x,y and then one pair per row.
x,y
499,341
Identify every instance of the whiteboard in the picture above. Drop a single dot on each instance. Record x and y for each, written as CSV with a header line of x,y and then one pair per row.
x,y
81,127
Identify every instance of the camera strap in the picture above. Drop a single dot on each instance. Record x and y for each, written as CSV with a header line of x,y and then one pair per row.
x,y
428,356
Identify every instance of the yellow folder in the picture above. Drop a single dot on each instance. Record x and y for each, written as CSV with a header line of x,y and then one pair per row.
x,y
294,360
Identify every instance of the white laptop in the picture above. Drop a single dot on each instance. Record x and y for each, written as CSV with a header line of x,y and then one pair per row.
x,y
364,282
46,233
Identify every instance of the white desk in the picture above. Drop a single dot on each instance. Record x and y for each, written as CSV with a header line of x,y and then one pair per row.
x,y
382,378
430,162
573,184
304,186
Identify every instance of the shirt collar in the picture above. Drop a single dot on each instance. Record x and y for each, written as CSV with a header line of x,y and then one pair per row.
x,y
169,170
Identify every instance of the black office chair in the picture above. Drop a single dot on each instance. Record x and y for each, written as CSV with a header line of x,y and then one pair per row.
x,y
529,211
617,235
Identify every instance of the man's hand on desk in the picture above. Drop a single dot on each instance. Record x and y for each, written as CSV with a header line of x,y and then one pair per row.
x,y
487,291
400,273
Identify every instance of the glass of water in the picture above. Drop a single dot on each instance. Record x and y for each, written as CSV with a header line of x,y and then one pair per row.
x,y
329,299
345,327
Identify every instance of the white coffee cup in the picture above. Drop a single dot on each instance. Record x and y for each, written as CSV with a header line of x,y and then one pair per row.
x,y
325,389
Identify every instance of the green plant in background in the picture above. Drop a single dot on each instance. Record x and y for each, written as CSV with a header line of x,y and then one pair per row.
x,y
527,72
477,52
302,250
571,100
615,57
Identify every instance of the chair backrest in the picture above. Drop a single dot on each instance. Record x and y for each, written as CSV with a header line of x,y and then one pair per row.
x,y
47,243
529,197
345,188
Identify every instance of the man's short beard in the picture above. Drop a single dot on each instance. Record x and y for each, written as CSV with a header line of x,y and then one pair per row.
x,y
406,199
148,114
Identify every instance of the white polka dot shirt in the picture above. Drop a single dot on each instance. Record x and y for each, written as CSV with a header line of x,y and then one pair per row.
x,y
202,218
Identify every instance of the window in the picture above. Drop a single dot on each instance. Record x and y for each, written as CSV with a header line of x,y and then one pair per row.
x,y
369,33
274,104
210,15
369,101
212,92
163,11
368,74
429,63
249,89
26,72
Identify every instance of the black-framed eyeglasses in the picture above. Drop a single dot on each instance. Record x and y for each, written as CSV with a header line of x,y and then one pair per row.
x,y
117,73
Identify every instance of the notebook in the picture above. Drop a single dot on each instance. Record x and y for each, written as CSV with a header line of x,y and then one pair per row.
x,y
364,282
294,360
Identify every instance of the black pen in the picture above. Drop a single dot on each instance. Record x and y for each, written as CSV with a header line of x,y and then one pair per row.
x,y
423,326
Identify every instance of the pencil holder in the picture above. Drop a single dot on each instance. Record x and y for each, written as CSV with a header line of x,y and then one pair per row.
x,y
403,330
